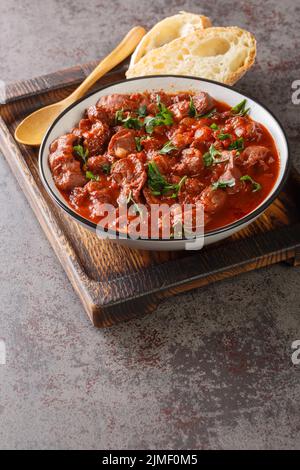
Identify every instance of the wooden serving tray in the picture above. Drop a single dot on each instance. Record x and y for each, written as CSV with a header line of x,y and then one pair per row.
x,y
116,283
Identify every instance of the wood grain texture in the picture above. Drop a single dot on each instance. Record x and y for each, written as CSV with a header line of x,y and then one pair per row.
x,y
53,81
116,283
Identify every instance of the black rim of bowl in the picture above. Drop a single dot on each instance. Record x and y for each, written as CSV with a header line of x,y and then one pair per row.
x,y
225,228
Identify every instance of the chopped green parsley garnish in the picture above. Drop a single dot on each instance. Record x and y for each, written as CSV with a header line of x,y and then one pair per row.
x,y
255,186
159,185
129,122
240,109
223,136
222,184
162,118
90,176
81,152
237,144
213,156
167,148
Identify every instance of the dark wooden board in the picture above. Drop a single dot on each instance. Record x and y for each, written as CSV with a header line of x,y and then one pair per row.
x,y
116,283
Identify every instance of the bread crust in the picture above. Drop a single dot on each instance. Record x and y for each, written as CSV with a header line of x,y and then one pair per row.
x,y
232,34
175,23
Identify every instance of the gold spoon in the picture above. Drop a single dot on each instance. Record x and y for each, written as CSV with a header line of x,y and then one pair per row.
x,y
32,129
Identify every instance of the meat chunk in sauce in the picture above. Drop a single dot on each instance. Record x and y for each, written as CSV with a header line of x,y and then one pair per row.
x,y
180,110
151,144
83,126
96,138
164,163
98,113
244,127
70,176
112,103
231,172
203,103
62,146
112,165
66,169
162,97
203,134
95,194
122,143
129,173
182,138
191,163
100,194
212,199
255,154
190,191
99,164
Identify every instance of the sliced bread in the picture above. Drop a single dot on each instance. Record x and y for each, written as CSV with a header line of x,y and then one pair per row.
x,y
167,30
220,54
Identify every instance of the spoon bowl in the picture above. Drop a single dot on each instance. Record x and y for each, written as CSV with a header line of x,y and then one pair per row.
x,y
32,129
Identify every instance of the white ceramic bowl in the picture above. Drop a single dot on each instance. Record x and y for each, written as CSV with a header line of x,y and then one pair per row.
x,y
169,83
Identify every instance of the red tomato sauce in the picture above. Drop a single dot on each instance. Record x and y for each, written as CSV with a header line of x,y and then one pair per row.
x,y
155,147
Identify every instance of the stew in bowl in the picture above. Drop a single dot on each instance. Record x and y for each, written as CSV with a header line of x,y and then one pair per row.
x,y
157,146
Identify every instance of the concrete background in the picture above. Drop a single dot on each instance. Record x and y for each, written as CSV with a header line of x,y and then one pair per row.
x,y
211,368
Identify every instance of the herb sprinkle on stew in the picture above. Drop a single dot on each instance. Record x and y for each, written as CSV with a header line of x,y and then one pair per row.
x,y
164,148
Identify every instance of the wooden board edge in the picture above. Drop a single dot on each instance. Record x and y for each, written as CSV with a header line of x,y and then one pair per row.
x,y
53,81
135,308
55,235
264,251
99,298
99,305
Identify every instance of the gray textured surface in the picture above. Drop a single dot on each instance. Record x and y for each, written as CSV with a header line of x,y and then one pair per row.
x,y
209,369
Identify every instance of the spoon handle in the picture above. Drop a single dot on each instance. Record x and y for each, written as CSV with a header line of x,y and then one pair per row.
x,y
123,49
